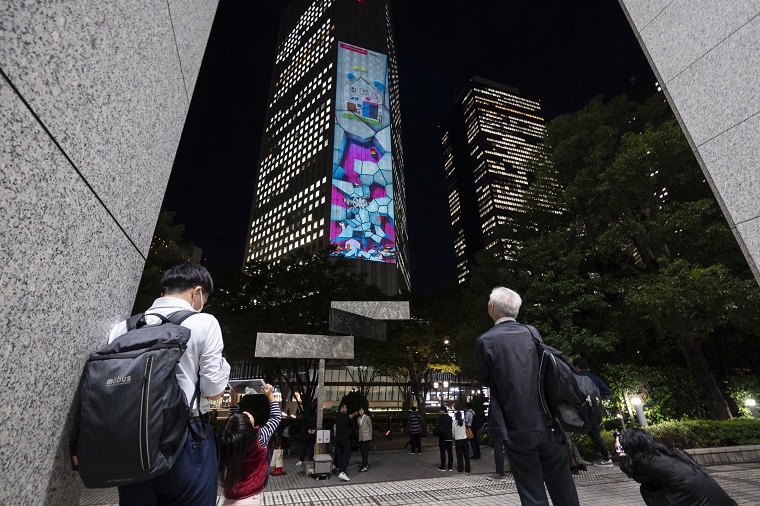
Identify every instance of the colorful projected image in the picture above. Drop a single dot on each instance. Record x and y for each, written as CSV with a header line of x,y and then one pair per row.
x,y
362,217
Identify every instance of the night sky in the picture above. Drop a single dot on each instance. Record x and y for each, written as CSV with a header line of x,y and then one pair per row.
x,y
561,53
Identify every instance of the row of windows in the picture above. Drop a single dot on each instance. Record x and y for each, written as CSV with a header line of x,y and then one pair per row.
x,y
309,55
307,20
293,151
314,85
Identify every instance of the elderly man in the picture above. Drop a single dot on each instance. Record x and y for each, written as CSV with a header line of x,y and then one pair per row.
x,y
507,362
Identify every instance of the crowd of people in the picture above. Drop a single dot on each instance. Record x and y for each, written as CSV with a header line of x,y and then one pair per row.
x,y
540,458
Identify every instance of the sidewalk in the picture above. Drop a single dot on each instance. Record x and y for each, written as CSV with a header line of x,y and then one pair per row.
x,y
397,478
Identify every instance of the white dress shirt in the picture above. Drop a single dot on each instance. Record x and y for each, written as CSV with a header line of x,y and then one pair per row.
x,y
204,350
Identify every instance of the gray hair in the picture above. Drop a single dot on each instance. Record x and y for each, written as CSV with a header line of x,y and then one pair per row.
x,y
505,302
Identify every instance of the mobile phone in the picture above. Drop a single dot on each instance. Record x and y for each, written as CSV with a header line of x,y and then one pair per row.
x,y
619,448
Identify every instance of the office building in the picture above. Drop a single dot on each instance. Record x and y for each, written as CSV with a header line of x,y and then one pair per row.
x,y
330,174
489,140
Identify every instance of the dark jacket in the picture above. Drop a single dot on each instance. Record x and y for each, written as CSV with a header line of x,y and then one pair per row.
x,y
604,390
443,427
666,480
507,362
342,427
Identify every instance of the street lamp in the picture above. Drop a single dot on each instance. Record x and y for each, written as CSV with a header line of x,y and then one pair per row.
x,y
640,411
751,405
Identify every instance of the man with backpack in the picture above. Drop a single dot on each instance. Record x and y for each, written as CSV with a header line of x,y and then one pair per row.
x,y
581,366
507,362
192,480
471,420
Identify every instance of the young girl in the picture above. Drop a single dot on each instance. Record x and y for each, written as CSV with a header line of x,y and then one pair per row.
x,y
461,443
243,463
666,476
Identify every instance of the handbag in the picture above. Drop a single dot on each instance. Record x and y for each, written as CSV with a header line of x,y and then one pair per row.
x,y
470,435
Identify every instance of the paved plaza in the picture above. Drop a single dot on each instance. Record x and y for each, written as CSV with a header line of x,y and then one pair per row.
x,y
397,478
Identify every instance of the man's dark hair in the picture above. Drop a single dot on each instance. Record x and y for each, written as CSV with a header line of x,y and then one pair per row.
x,y
581,363
468,405
414,408
183,277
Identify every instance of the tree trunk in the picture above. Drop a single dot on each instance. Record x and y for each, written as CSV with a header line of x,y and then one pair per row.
x,y
691,351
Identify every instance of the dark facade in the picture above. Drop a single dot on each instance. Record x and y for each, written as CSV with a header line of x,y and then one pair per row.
x,y
330,175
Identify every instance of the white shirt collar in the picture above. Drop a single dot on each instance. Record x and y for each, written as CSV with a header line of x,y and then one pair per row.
x,y
504,319
171,302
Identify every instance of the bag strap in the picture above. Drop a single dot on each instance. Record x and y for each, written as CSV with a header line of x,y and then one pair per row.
x,y
139,320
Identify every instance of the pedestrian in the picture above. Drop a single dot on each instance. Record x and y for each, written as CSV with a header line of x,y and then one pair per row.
x,y
365,436
507,362
666,476
470,422
443,430
342,432
459,431
192,479
309,433
415,430
243,455
604,460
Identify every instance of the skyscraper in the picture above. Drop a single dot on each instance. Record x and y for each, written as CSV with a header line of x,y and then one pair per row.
x,y
488,139
330,172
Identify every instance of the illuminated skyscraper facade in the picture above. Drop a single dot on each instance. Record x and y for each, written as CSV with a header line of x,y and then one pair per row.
x,y
488,139
331,166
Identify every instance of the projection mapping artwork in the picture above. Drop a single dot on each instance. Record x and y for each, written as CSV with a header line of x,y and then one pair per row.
x,y
361,214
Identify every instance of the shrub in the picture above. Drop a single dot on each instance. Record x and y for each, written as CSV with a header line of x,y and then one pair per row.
x,y
685,434
741,388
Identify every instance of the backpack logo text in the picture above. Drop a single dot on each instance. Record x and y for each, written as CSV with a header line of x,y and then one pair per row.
x,y
119,380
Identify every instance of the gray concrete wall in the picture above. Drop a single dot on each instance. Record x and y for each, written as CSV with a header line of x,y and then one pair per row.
x,y
93,97
706,55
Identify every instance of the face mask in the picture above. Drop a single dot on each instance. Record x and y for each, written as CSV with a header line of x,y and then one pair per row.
x,y
201,296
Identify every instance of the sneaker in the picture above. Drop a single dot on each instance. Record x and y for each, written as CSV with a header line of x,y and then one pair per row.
x,y
419,453
604,463
574,469
335,468
299,463
450,469
442,469
496,477
363,469
412,453
344,477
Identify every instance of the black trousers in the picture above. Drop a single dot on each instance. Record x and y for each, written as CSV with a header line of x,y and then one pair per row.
x,y
475,446
596,438
545,462
307,447
445,447
416,440
364,449
342,454
463,453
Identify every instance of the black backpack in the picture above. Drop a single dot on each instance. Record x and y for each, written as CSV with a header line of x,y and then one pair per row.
x,y
567,397
134,416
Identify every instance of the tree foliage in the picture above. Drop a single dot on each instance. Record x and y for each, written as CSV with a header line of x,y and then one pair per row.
x,y
639,266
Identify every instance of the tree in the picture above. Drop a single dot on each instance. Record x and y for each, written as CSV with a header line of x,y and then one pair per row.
x,y
640,240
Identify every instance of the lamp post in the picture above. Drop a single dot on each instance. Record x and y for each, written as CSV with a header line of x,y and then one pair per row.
x,y
640,411
751,405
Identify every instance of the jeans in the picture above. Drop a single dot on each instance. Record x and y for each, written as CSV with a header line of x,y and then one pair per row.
x,y
463,453
192,479
307,447
342,454
596,438
364,449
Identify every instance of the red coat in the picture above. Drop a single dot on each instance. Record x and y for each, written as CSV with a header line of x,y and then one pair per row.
x,y
253,473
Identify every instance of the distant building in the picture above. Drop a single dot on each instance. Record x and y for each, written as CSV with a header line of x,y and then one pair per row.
x,y
488,140
330,174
